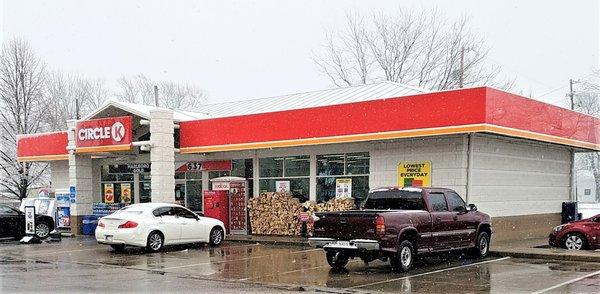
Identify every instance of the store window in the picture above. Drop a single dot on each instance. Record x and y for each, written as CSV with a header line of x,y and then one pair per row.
x,y
117,184
242,168
343,166
294,169
144,187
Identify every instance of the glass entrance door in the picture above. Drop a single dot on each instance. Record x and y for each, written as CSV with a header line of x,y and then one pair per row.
x,y
194,195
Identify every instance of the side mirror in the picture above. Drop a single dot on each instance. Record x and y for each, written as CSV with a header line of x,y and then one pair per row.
x,y
472,207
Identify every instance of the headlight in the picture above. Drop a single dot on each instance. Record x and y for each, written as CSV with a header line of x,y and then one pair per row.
x,y
558,228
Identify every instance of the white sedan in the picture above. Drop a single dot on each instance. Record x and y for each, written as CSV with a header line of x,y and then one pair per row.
x,y
153,225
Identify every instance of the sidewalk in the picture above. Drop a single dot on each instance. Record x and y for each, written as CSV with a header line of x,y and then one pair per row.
x,y
538,248
280,240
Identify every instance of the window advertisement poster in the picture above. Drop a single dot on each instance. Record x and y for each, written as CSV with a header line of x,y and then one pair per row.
x,y
343,188
414,174
30,220
109,193
125,193
63,209
282,186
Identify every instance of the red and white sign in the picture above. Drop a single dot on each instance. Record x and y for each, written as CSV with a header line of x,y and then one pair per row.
x,y
113,131
214,165
220,186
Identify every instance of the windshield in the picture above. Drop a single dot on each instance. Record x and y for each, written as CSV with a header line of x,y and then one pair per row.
x,y
397,200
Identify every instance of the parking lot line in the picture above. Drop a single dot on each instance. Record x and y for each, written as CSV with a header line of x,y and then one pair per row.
x,y
567,282
428,273
61,252
223,261
290,272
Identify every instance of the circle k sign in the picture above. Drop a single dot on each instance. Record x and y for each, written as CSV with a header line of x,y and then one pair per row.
x,y
104,132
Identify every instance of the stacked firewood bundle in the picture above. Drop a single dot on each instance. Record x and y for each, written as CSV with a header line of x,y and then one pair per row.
x,y
275,214
334,204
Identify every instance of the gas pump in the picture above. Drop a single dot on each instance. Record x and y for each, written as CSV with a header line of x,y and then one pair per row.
x,y
228,202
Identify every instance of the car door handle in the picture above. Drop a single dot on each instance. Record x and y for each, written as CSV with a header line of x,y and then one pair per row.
x,y
438,218
455,217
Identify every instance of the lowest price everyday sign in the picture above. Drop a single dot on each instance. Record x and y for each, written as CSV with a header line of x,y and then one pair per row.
x,y
414,174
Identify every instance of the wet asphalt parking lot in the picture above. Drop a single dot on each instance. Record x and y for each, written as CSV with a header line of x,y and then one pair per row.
x,y
81,265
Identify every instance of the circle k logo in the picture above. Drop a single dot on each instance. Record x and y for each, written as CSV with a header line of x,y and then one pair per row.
x,y
117,131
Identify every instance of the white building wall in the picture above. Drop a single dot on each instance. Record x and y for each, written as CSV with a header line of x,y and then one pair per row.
x,y
59,174
516,177
447,155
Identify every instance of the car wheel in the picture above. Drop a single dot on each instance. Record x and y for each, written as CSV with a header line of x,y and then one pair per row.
x,y
575,241
336,259
216,236
42,230
404,259
155,241
118,247
482,247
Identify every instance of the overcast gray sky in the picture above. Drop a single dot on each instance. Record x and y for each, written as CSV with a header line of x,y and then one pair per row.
x,y
249,49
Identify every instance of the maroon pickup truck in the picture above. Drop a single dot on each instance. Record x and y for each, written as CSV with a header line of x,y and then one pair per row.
x,y
399,223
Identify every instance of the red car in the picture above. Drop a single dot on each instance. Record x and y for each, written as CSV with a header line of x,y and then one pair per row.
x,y
577,235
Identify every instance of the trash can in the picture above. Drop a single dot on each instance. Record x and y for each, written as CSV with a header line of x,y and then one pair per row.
x,y
89,223
569,212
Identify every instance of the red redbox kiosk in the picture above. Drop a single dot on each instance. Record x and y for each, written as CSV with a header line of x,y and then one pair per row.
x,y
216,205
236,189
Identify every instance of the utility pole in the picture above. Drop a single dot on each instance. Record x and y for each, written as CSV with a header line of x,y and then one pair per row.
x,y
572,93
461,77
77,108
156,95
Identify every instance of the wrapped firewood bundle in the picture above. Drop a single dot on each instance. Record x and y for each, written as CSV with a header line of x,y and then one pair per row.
x,y
334,204
275,214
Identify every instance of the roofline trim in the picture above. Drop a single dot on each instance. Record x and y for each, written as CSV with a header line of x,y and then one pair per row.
x,y
449,130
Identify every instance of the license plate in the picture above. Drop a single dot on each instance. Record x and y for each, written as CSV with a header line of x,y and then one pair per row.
x,y
342,243
108,238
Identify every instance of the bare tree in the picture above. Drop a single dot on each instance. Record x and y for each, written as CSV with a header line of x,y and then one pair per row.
x,y
65,93
21,112
419,48
140,89
588,101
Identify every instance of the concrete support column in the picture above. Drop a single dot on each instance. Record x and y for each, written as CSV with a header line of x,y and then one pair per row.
x,y
162,156
80,176
313,178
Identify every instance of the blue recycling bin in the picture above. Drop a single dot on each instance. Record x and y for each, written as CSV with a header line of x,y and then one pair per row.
x,y
89,223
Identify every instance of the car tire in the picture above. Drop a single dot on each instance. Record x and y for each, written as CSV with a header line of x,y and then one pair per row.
x,y
574,241
482,245
42,230
118,247
155,241
404,259
216,236
336,259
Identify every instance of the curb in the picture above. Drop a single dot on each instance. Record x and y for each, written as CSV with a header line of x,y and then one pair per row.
x,y
552,256
300,243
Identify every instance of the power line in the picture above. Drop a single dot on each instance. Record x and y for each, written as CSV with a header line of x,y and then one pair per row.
x,y
561,87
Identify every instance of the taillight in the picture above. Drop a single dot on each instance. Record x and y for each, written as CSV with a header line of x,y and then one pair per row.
x,y
101,224
128,225
379,226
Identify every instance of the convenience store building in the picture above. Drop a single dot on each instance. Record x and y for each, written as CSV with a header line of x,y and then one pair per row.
x,y
510,155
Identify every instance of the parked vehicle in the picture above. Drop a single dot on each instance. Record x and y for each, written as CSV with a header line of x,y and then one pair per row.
x,y
399,223
154,225
12,223
577,235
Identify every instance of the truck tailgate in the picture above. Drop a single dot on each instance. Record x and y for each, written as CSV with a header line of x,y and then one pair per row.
x,y
346,225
